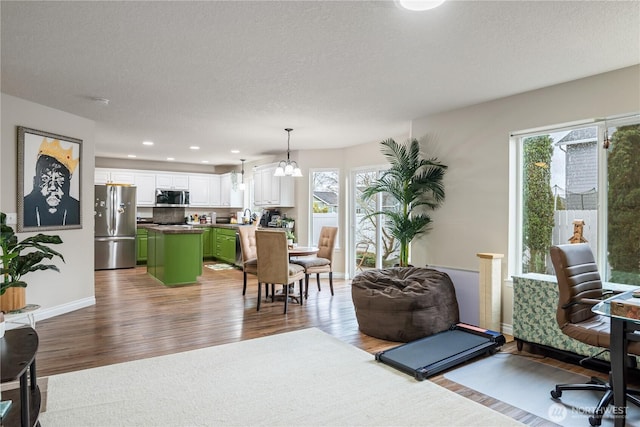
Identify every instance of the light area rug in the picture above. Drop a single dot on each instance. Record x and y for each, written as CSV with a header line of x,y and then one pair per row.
x,y
219,266
525,383
301,378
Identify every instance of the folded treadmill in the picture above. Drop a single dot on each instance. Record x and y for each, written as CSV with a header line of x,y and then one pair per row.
x,y
428,356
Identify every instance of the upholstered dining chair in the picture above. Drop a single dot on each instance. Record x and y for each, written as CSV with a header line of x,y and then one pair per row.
x,y
247,234
580,288
322,261
273,265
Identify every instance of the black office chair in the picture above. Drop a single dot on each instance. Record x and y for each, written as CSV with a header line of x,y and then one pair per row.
x,y
580,289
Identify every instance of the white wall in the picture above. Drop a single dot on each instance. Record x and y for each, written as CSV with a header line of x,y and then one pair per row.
x,y
474,143
73,287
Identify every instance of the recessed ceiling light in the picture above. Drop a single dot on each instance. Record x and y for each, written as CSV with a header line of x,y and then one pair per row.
x,y
131,155
170,158
194,147
419,5
147,142
235,151
205,161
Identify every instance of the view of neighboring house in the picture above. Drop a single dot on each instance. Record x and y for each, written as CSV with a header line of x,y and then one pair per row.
x,y
580,146
325,202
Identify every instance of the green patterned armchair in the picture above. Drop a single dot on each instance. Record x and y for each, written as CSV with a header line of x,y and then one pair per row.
x,y
535,300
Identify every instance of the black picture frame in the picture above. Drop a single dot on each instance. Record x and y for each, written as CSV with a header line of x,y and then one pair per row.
x,y
55,203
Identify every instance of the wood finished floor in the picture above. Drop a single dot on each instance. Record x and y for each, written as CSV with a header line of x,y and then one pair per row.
x,y
136,317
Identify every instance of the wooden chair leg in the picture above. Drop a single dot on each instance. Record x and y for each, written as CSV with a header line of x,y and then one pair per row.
x,y
273,292
266,290
318,280
331,281
244,283
286,296
301,299
259,295
306,286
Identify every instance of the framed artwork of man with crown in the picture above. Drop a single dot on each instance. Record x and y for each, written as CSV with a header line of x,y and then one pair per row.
x,y
48,181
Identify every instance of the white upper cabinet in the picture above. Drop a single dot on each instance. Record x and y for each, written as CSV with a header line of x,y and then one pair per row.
x,y
225,190
122,177
145,188
199,190
101,176
172,182
272,190
215,195
261,187
236,197
113,176
230,197
205,190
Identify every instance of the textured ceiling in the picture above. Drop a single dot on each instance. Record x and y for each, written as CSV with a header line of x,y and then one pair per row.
x,y
234,74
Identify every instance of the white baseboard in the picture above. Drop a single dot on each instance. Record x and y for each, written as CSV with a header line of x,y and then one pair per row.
x,y
507,329
46,313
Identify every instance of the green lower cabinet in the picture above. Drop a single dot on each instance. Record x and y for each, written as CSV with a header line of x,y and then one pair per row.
x,y
225,245
174,258
141,245
208,242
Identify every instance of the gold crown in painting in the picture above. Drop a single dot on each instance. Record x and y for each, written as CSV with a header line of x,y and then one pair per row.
x,y
53,149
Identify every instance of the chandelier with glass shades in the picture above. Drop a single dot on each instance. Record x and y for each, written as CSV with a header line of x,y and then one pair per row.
x,y
288,167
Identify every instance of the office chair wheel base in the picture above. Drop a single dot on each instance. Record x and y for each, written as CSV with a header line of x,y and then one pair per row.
x,y
594,421
556,394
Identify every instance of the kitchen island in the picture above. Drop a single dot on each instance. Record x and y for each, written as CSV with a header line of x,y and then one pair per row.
x,y
221,242
174,253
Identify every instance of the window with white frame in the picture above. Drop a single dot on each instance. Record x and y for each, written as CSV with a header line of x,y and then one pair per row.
x,y
581,183
325,197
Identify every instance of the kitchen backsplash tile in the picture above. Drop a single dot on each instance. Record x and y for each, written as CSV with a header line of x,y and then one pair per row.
x,y
168,215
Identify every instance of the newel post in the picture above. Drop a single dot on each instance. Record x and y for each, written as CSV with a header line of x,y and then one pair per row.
x,y
490,290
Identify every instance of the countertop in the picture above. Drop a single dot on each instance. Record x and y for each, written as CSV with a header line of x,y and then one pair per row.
x,y
184,226
176,229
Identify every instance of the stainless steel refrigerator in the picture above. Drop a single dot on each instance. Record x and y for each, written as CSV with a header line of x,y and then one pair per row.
x,y
115,227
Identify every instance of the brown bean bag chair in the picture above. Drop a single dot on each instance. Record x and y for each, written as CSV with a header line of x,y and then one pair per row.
x,y
404,303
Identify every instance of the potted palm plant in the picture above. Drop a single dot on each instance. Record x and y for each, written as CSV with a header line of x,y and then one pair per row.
x,y
416,183
21,257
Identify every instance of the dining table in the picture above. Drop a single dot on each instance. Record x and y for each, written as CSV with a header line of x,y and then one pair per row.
x,y
296,251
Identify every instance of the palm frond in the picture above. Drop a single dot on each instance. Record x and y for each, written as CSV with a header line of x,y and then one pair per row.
x,y
416,184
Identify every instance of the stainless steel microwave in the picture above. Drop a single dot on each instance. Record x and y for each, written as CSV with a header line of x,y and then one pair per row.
x,y
172,198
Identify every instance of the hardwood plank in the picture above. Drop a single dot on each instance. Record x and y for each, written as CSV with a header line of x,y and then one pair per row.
x,y
136,317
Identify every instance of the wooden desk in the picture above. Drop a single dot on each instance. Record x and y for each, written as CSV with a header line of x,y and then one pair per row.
x,y
622,332
302,251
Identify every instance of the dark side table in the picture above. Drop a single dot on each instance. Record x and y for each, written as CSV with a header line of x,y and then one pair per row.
x,y
18,350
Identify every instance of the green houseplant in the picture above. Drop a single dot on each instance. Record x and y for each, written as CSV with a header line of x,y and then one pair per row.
x,y
416,184
21,257
290,236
